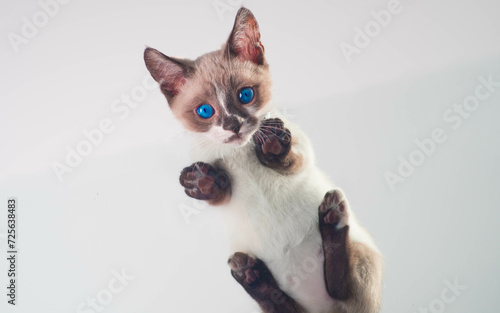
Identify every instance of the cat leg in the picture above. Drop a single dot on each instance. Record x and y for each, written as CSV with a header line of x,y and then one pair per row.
x,y
202,181
254,276
273,146
334,230
352,270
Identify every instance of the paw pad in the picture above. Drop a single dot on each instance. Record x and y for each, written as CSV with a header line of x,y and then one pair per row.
x,y
243,268
273,143
202,181
333,209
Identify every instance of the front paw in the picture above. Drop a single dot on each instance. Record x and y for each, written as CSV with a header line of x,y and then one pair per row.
x,y
273,144
204,182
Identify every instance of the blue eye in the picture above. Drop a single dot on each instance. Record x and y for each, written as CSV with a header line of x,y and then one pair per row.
x,y
246,95
205,111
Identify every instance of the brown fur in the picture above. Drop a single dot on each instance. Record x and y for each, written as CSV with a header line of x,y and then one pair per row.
x,y
188,84
294,160
352,270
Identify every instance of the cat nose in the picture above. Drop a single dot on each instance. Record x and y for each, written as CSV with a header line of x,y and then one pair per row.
x,y
231,123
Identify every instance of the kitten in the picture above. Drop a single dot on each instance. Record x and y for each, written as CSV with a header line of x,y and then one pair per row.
x,y
296,249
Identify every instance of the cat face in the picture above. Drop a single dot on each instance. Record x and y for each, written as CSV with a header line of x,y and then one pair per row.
x,y
223,94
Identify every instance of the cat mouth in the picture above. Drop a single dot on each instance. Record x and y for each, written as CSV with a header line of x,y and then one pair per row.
x,y
237,139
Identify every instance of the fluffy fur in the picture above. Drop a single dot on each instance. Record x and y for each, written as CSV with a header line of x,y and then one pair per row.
x,y
270,214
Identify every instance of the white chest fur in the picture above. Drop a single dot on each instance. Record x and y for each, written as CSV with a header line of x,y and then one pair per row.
x,y
275,218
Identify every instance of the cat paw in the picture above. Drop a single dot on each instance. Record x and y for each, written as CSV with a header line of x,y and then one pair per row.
x,y
204,182
273,144
333,211
244,268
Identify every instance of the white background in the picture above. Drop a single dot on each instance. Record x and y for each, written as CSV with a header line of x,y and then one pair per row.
x,y
120,207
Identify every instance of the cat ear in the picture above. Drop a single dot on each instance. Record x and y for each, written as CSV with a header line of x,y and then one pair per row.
x,y
170,73
244,41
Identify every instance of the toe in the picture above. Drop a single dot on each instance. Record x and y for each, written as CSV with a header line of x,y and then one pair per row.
x,y
187,183
251,275
285,137
332,217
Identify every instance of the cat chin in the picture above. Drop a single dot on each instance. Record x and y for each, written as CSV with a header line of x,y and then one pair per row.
x,y
241,140
237,141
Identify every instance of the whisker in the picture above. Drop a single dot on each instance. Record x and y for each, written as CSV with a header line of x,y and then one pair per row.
x,y
261,136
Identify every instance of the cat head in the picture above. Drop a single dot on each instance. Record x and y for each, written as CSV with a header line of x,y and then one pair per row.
x,y
221,95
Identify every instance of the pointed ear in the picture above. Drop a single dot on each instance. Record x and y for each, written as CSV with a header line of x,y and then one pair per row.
x,y
244,41
170,73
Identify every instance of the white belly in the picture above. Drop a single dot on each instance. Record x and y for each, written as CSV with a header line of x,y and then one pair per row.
x,y
275,218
